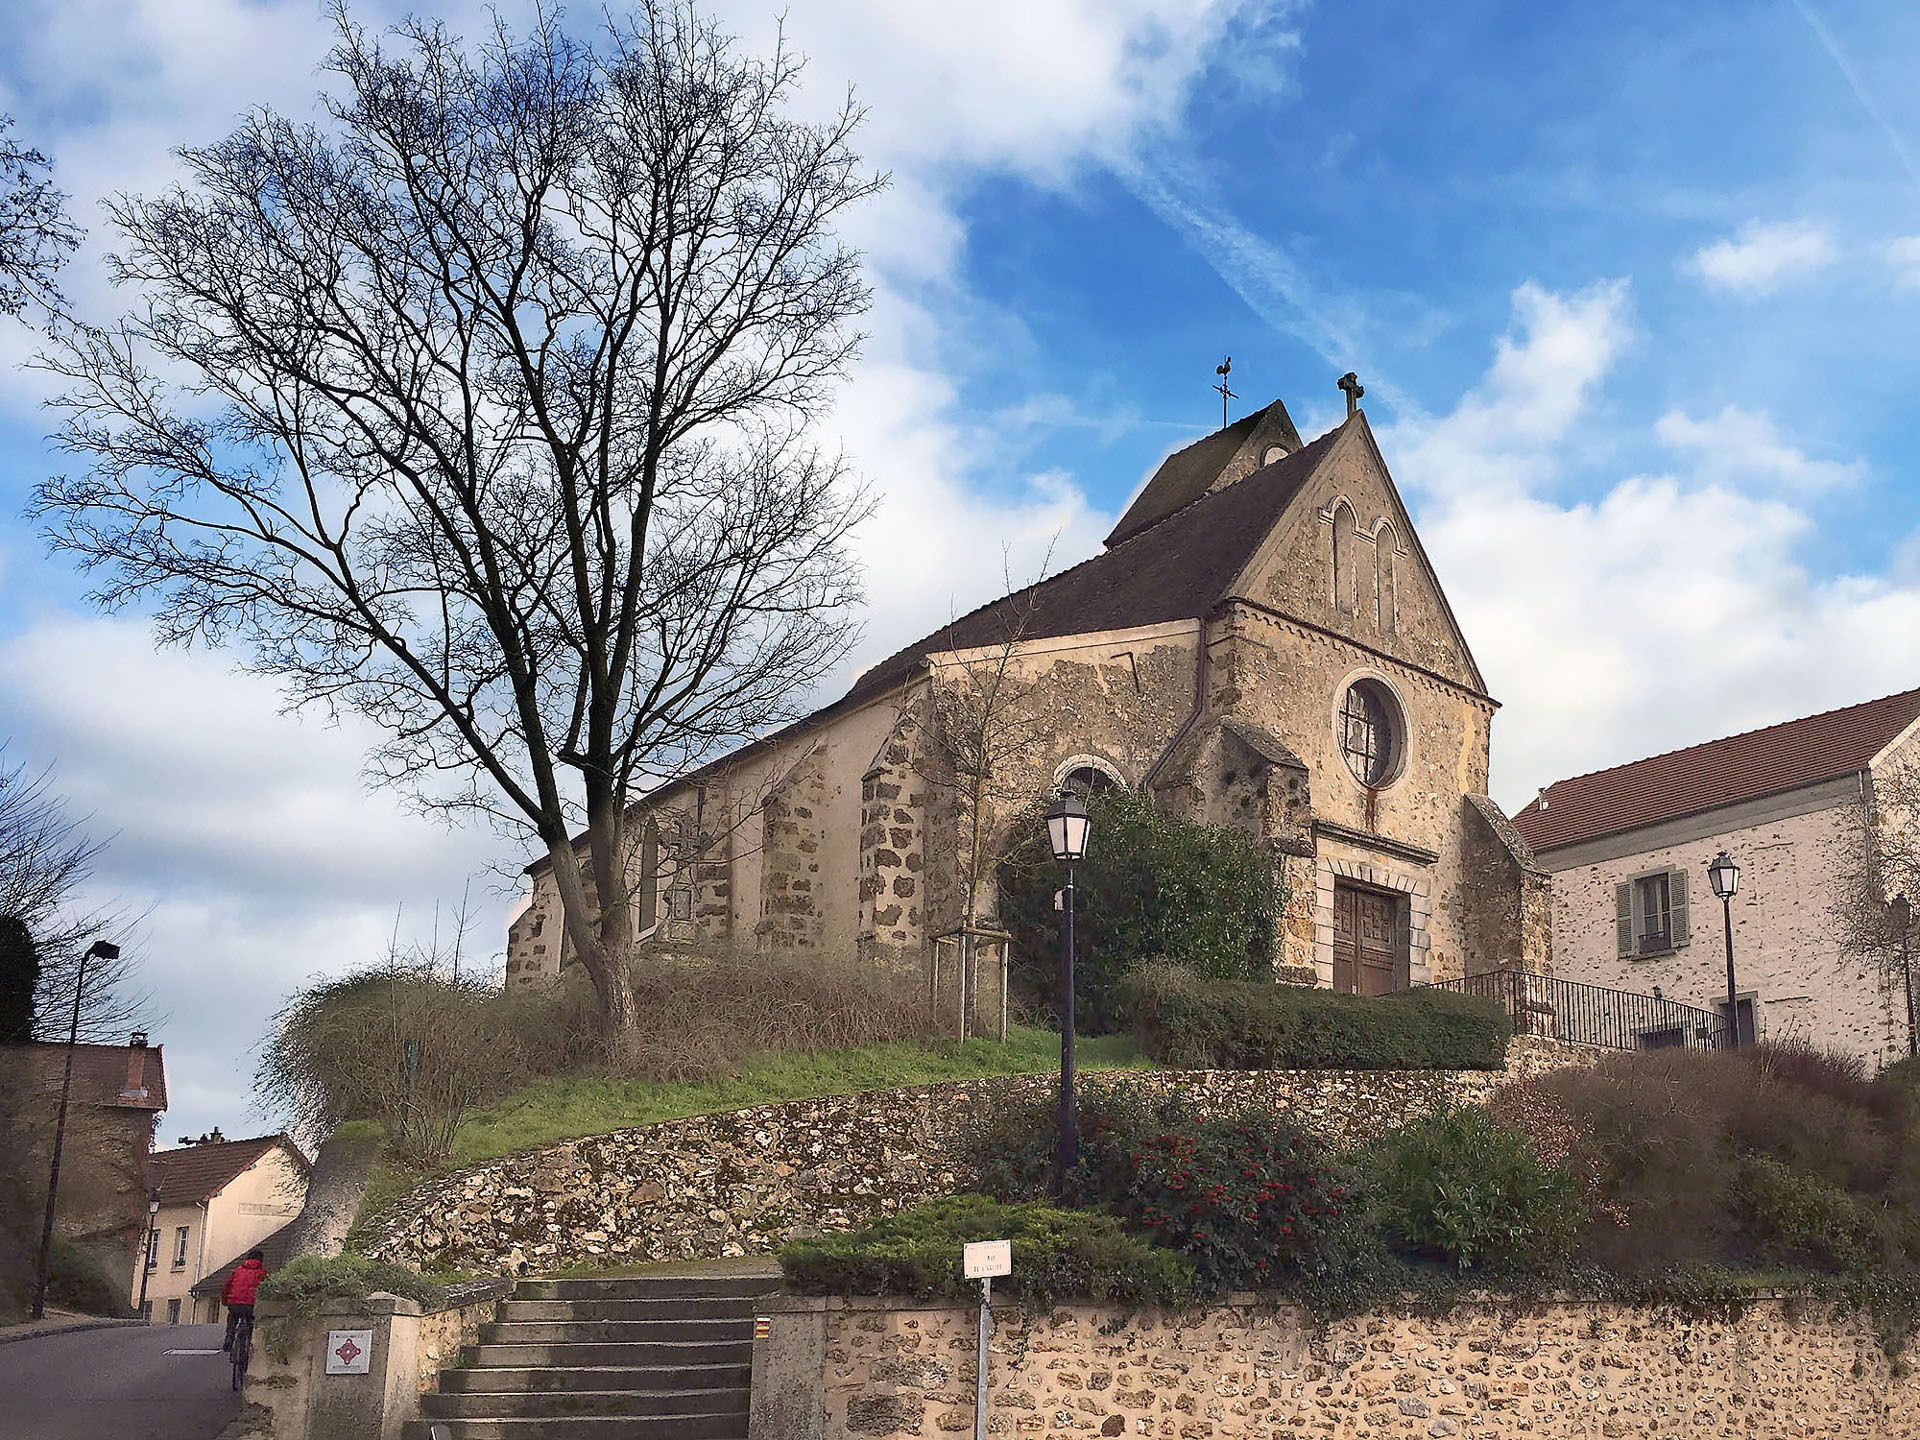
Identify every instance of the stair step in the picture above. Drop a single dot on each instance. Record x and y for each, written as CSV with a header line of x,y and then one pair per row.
x,y
521,1379
628,1355
551,1332
731,1425
642,1287
565,1404
678,1307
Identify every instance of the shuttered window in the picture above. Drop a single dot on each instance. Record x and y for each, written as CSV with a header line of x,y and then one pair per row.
x,y
1651,913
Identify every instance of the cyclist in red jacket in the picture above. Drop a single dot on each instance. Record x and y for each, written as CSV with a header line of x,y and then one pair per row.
x,y
239,1291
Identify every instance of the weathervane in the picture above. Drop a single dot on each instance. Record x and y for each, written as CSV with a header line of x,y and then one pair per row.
x,y
1225,393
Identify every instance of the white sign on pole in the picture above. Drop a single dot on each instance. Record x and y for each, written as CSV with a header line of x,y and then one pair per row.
x,y
349,1352
987,1259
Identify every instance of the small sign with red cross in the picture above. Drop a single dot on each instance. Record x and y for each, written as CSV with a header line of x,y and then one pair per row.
x,y
349,1352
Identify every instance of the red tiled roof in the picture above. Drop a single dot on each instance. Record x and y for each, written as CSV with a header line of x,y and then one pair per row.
x,y
194,1173
1719,772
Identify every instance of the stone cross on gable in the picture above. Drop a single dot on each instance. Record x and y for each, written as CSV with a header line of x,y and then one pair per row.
x,y
1350,384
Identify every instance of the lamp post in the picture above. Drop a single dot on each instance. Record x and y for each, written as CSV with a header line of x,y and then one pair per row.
x,y
99,950
1724,876
1900,913
148,1258
1067,827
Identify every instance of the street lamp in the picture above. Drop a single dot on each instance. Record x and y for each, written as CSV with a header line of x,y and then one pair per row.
x,y
1067,827
99,950
149,1247
1724,876
1900,913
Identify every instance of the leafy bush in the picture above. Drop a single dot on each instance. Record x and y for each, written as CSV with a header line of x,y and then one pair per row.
x,y
309,1281
1474,1191
1057,1254
1245,1195
1189,1021
1769,1155
1153,887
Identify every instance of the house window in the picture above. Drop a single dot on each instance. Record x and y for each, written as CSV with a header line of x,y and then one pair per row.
x,y
173,1312
1368,736
180,1248
153,1248
1650,913
146,1311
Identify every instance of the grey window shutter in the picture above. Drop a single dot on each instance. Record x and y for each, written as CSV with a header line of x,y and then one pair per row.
x,y
1623,918
1677,899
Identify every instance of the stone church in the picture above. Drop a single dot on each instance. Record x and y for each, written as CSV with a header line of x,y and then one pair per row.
x,y
1261,643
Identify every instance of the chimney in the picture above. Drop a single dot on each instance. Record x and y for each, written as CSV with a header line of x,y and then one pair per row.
x,y
136,1088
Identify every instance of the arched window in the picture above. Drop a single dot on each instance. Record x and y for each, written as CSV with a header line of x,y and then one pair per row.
x,y
1370,735
1085,775
649,906
1343,558
1386,613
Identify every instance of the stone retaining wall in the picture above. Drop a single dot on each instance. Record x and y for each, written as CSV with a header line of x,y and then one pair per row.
x,y
742,1182
1571,1370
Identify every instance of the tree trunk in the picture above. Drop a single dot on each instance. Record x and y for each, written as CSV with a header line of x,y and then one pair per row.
x,y
595,935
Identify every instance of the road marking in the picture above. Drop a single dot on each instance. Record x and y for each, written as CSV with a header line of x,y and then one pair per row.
x,y
214,1351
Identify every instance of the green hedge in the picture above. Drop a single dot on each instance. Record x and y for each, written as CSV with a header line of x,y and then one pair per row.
x,y
1186,1021
312,1279
1057,1255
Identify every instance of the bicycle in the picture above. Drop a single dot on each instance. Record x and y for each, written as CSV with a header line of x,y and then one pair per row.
x,y
242,1348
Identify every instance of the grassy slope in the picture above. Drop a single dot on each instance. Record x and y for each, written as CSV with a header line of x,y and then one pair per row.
x,y
551,1111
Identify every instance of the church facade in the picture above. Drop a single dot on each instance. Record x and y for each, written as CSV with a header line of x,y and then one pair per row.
x,y
1262,643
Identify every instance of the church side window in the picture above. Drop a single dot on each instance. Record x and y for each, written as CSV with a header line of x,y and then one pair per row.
x,y
1367,733
1343,586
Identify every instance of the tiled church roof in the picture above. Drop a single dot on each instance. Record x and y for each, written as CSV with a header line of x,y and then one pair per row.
x,y
1175,571
1717,773
1187,474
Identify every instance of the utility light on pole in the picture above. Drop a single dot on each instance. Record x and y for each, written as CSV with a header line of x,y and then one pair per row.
x,y
149,1248
1067,828
1724,876
1900,915
99,950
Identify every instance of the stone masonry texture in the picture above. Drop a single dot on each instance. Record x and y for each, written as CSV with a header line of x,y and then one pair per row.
x,y
1254,1371
742,1182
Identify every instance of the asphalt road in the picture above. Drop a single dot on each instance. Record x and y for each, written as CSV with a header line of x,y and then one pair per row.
x,y
119,1383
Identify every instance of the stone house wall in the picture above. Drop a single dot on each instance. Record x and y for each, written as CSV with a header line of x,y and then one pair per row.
x,y
1254,1370
747,1180
1785,950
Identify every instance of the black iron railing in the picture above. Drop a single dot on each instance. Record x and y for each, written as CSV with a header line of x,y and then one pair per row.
x,y
1593,1015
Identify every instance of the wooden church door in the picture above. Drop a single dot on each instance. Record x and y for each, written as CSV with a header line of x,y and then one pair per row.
x,y
1364,929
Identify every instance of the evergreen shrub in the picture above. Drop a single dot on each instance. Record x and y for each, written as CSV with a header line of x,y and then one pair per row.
x,y
1187,1021
1057,1255
1153,887
1473,1191
1246,1196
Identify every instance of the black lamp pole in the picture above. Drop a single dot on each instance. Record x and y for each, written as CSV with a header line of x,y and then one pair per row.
x,y
148,1257
100,949
1724,876
1067,828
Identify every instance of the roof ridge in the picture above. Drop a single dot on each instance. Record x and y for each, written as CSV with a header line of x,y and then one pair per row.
x,y
214,1144
1736,735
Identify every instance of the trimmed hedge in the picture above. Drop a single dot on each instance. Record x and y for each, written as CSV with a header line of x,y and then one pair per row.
x,y
1185,1021
1057,1255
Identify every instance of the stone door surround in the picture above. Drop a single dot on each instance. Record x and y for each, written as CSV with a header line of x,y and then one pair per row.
x,y
1415,886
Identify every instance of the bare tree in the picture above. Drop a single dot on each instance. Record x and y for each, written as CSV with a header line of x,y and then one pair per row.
x,y
36,236
496,430
1886,865
986,723
45,858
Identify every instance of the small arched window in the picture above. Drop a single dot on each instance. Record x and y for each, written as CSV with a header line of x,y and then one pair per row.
x,y
649,896
1085,775
1370,732
1343,531
1387,613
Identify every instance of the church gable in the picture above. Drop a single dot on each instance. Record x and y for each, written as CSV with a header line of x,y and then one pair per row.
x,y
1344,557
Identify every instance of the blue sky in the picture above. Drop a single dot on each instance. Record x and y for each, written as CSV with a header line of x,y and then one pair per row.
x,y
1633,288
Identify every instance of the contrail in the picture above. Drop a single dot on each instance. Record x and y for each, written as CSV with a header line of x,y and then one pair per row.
x,y
1821,33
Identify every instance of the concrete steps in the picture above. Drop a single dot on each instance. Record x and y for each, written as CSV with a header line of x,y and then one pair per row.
x,y
641,1358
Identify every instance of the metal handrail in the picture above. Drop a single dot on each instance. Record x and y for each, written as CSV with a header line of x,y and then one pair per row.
x,y
1592,1014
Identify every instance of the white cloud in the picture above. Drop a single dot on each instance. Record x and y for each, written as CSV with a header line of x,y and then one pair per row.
x,y
1762,257
1903,255
1740,445
1673,608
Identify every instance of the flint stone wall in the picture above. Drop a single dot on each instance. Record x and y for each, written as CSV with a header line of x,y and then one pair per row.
x,y
1571,1370
745,1181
